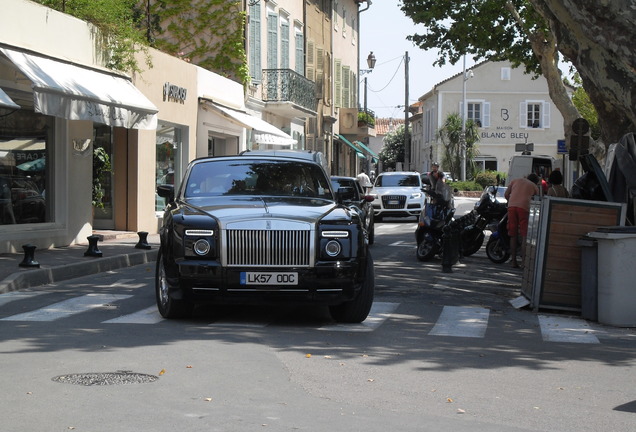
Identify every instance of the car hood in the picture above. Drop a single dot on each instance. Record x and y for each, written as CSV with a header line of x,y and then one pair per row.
x,y
238,208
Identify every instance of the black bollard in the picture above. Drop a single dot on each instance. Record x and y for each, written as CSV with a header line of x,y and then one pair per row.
x,y
143,241
29,256
92,246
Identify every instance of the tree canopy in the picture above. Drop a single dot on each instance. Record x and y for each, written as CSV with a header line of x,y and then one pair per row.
x,y
393,149
535,33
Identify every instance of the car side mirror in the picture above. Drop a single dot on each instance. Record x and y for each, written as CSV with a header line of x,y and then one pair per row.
x,y
166,191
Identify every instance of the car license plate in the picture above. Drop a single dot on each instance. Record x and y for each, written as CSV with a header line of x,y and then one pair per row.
x,y
269,278
393,202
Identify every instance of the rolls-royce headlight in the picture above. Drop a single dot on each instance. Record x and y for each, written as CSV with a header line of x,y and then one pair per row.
x,y
333,248
201,247
335,234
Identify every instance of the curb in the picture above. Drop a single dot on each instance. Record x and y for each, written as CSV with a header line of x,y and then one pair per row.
x,y
45,276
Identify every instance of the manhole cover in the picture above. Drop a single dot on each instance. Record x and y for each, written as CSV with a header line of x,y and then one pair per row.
x,y
105,378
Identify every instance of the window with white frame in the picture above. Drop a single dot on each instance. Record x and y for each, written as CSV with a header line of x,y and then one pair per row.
x,y
300,49
284,42
534,114
477,111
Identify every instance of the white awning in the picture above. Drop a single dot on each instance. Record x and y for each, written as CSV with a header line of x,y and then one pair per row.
x,y
77,93
6,102
264,133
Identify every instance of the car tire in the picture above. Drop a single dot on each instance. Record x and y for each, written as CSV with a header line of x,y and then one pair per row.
x,y
168,306
357,310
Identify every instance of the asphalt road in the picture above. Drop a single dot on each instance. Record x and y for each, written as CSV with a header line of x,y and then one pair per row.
x,y
440,352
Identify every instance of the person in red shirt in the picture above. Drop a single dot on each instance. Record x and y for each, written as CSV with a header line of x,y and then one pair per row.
x,y
519,193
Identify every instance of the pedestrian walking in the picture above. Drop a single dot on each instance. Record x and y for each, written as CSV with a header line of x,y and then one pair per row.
x,y
519,193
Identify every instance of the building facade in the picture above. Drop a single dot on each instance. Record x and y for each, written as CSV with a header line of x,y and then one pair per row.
x,y
512,110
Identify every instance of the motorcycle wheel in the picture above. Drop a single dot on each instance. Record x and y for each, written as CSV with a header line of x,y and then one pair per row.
x,y
426,249
471,248
497,251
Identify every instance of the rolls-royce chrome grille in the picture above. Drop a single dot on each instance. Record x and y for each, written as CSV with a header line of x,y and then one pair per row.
x,y
283,248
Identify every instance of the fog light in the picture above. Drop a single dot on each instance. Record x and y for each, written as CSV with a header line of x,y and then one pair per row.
x,y
201,247
333,248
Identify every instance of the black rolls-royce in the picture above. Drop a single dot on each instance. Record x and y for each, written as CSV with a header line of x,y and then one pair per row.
x,y
262,227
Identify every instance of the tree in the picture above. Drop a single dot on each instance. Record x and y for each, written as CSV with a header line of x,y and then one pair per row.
x,y
597,37
208,33
450,136
494,30
393,149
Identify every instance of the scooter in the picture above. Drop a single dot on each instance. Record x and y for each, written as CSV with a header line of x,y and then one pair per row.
x,y
489,211
437,213
498,246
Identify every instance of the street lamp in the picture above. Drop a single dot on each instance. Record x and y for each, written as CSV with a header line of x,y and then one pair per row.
x,y
371,63
465,77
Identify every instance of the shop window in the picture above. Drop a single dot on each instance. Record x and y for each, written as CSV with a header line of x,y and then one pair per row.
x,y
168,160
25,169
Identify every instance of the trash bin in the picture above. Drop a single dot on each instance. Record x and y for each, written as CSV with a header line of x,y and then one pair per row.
x,y
589,278
616,275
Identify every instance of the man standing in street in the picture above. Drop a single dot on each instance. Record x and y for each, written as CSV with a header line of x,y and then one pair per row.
x,y
364,180
434,175
519,193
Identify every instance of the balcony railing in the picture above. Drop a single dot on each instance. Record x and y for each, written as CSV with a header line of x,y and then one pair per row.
x,y
286,85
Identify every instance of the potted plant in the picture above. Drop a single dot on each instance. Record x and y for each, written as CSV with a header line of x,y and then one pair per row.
x,y
101,168
365,119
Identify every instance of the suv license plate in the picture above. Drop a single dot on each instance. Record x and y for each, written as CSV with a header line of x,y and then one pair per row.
x,y
393,202
269,278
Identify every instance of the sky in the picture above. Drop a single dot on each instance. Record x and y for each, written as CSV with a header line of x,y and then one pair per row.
x,y
383,30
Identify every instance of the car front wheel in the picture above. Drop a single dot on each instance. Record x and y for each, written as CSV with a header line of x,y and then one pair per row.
x,y
168,306
357,310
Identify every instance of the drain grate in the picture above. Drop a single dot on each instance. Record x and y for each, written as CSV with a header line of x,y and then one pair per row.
x,y
105,378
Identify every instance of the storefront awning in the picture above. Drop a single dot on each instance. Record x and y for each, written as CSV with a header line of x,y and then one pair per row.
x,y
374,156
6,102
264,133
350,144
77,93
366,149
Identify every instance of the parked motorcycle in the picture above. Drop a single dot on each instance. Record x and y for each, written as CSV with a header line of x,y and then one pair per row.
x,y
489,212
437,213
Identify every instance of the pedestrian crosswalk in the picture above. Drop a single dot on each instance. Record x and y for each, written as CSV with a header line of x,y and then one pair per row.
x,y
451,322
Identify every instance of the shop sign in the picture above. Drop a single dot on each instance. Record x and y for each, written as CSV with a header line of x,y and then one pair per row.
x,y
174,93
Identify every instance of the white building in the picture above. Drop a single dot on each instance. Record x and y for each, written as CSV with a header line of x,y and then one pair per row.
x,y
511,107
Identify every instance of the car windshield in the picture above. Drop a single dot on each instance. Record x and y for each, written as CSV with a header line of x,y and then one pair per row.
x,y
397,180
257,177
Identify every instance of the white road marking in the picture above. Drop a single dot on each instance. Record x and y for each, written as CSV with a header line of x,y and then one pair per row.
x,y
149,315
67,307
380,312
18,295
459,321
403,244
566,329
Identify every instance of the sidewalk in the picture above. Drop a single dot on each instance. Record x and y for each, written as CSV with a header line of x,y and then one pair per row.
x,y
58,264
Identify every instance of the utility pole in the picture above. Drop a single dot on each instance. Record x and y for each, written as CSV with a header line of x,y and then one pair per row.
x,y
462,138
407,138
